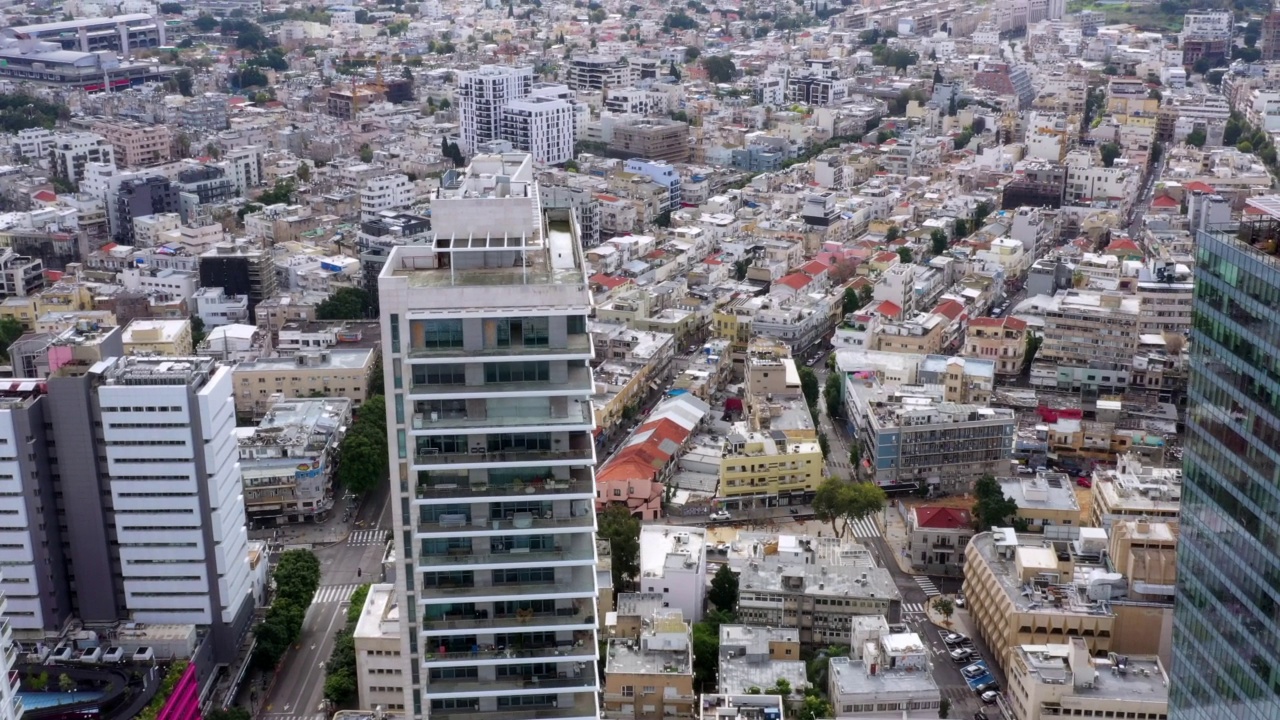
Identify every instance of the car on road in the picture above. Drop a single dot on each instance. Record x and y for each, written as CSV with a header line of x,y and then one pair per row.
x,y
974,671
1084,482
959,601
989,696
1025,470
961,655
979,715
720,515
954,638
988,685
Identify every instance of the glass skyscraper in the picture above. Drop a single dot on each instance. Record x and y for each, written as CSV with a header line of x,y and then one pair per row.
x,y
1226,656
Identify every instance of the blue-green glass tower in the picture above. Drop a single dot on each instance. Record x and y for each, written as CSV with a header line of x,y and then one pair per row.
x,y
1226,655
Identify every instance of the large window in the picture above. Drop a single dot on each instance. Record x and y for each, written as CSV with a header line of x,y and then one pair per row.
x,y
455,579
437,334
447,374
442,444
537,333
524,575
517,372
519,441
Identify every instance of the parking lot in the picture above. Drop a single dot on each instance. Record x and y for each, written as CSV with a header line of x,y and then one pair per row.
x,y
963,674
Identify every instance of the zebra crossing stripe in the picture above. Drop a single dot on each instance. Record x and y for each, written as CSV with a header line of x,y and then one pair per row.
x,y
367,537
927,586
865,528
913,608
333,593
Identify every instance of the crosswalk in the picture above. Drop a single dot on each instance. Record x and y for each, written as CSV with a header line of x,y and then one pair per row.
x,y
913,608
367,537
333,593
866,528
927,586
282,716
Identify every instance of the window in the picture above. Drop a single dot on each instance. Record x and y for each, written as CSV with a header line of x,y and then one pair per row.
x,y
517,372
395,333
446,374
438,334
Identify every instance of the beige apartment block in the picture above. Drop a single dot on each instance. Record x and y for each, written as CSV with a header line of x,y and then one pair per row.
x,y
1065,680
651,677
339,372
158,337
136,144
1134,490
1000,340
379,667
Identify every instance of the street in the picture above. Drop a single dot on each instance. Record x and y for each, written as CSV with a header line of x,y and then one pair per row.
x,y
298,687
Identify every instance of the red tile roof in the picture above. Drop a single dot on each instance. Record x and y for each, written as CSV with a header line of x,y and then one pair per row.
x,y
886,256
1164,201
942,518
1011,323
889,309
609,281
45,196
814,268
1197,185
795,281
950,308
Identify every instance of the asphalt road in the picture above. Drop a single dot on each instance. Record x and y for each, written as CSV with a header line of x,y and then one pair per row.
x,y
298,688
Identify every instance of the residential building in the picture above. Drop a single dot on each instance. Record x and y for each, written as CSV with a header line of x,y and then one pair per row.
x,y
136,144
1000,340
663,174
20,275
768,468
540,126
652,139
501,474
383,193
379,666
215,307
673,562
11,707
1223,618
740,707
286,462
814,585
338,372
914,434
158,337
596,72
754,658
71,152
243,267
1046,502
1134,490
651,677
481,95
637,473
937,537
1065,679
1087,329
885,674
138,197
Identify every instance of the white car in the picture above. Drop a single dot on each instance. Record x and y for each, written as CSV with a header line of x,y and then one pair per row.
x,y
989,697
720,515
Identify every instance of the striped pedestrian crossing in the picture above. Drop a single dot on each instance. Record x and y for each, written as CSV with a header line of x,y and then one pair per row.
x,y
368,537
927,586
283,716
913,608
865,528
333,593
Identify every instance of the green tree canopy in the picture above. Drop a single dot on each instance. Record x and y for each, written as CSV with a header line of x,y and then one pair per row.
x,y
724,589
809,385
905,255
992,508
362,456
1109,152
833,393
720,68
10,330
622,530
938,241
345,304
842,503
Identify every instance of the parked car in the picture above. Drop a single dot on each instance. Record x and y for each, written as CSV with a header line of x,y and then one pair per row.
x,y
959,601
954,638
974,671
989,696
1084,482
1025,470
987,686
961,655
720,515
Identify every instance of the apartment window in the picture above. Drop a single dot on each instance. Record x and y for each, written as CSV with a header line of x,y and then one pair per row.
x,y
446,374
395,333
524,575
628,691
437,334
517,372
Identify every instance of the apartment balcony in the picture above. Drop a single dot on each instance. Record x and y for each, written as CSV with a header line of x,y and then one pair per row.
x,y
585,583
461,524
578,417
577,382
563,618
583,706
577,485
526,686
490,655
578,345
470,559
481,457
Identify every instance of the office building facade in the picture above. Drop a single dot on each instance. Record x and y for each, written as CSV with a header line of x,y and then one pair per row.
x,y
1226,652
489,423
482,95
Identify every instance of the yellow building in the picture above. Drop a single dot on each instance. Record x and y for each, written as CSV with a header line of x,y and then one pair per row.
x,y
1044,500
1064,680
761,467
338,372
651,678
158,337
733,323
1003,341
59,298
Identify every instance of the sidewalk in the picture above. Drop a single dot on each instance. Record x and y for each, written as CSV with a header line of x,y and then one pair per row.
x,y
328,532
894,530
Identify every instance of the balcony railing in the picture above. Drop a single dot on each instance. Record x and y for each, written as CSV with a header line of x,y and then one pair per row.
x,y
454,524
482,620
576,415
551,684
492,653
577,380
583,706
513,589
484,489
576,345
518,556
584,455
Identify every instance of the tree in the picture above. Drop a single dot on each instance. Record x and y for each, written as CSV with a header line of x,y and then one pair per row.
x,y
833,391
366,153
362,456
815,707
65,683
622,530
961,228
824,445
663,220
866,295
1202,65
171,8
724,590
781,686
691,54
720,68
938,241
892,233
345,304
10,330
843,503
992,508
38,683
1109,151
740,268
183,81
944,708
904,254
1244,146
205,23
944,607
1196,137
1033,346
809,386
197,331
304,172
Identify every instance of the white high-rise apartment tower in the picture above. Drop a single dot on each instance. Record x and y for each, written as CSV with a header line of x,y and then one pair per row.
x,y
540,126
490,422
482,94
